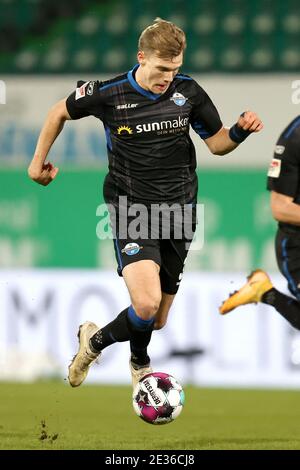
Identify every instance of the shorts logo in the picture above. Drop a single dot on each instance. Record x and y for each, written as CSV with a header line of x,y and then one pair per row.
x,y
80,92
132,249
178,99
274,168
279,149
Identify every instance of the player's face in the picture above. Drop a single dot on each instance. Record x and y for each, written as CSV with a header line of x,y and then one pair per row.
x,y
156,74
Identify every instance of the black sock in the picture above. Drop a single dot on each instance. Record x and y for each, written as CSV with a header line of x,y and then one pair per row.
x,y
140,336
115,331
288,307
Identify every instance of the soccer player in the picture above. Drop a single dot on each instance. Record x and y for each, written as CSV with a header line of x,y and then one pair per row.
x,y
284,184
146,114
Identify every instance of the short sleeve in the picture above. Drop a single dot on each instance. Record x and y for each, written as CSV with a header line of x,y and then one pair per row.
x,y
86,100
283,174
205,119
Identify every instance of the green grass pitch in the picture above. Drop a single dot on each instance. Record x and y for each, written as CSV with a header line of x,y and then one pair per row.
x,y
52,415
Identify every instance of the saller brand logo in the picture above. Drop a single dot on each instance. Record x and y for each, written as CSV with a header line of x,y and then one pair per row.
x,y
162,125
151,391
127,106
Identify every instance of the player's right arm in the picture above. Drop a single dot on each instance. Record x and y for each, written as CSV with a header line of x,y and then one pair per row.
x,y
39,171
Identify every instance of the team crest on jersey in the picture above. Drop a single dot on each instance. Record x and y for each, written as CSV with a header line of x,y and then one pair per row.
x,y
132,249
279,149
274,168
80,92
178,99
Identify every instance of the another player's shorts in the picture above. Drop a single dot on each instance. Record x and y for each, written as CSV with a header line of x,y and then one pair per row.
x,y
170,254
287,245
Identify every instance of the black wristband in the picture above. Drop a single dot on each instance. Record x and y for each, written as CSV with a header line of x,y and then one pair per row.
x,y
238,134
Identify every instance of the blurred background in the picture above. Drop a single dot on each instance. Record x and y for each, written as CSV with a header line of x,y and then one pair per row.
x,y
55,273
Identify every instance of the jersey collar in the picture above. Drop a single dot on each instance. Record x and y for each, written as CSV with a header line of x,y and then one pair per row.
x,y
138,88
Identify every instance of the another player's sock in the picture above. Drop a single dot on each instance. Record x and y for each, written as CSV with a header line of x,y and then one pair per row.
x,y
288,307
113,332
140,336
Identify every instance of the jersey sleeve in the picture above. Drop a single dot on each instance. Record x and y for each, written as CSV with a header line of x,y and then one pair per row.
x,y
283,174
86,100
205,119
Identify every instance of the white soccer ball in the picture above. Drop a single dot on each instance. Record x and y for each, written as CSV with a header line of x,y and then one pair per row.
x,y
158,398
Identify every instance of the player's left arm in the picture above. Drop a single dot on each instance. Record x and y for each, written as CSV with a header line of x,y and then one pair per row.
x,y
226,140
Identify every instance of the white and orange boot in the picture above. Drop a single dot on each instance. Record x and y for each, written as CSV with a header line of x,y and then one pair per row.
x,y
258,283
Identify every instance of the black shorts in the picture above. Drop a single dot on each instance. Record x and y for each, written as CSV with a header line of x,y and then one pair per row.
x,y
169,253
287,246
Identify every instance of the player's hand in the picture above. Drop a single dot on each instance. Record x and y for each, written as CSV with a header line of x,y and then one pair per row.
x,y
42,175
249,121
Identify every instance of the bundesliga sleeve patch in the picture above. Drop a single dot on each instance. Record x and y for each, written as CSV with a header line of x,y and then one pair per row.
x,y
274,168
80,92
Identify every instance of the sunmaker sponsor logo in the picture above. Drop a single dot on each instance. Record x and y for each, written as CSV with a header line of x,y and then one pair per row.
x,y
162,125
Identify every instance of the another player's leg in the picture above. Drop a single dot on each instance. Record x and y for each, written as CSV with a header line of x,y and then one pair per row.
x,y
288,307
287,250
260,289
258,283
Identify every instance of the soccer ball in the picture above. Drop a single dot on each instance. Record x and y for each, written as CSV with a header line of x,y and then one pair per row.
x,y
158,398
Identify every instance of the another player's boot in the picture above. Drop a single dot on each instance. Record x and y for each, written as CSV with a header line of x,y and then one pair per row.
x,y
79,367
138,372
252,292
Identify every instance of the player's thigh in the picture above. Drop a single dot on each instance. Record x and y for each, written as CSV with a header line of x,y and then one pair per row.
x,y
161,316
173,257
143,284
139,263
288,259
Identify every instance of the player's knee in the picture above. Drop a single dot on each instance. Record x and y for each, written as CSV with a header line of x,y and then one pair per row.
x,y
147,307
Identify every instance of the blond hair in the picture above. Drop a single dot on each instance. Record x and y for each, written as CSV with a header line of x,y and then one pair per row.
x,y
163,38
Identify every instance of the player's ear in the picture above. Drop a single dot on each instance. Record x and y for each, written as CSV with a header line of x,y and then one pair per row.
x,y
141,57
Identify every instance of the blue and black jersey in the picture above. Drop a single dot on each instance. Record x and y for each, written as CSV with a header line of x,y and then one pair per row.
x,y
151,155
284,171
